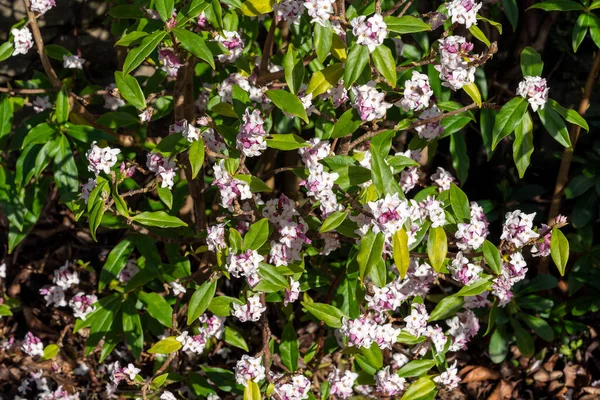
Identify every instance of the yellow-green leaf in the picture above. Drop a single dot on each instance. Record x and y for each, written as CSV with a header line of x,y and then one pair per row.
x,y
252,391
559,249
166,346
50,352
473,91
437,247
323,80
254,8
400,251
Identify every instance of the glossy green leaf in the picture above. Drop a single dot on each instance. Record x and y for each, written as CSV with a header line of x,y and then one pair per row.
x,y
333,221
158,308
115,262
523,144
285,141
287,102
416,368
405,24
159,219
167,345
446,308
369,253
200,300
346,124
555,126
331,315
508,118
419,389
289,347
130,89
323,39
400,252
235,338
257,235
460,203
164,8
194,43
136,56
492,257
385,63
531,62
62,106
196,157
358,58
559,250
293,66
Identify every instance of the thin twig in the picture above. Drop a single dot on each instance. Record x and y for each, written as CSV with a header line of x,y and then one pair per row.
x,y
268,49
39,44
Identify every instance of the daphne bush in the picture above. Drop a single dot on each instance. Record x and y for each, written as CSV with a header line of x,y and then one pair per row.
x,y
264,172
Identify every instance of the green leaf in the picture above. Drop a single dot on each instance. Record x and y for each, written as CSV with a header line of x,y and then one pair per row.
x,y
289,347
164,8
473,91
159,219
539,326
285,141
460,203
555,125
323,80
323,40
196,157
95,217
273,276
234,338
257,235
479,35
369,253
254,8
6,115
385,63
41,133
559,250
50,352
288,103
252,390
6,50
166,196
115,262
115,120
126,11
446,308
221,305
557,5
595,29
357,60
475,288
508,118
437,247
531,62
400,252
194,43
511,10
498,347
460,158
495,24
131,38
492,257
346,124
132,327
373,356
382,176
65,170
524,339
200,300
570,115
167,345
523,144
158,308
324,312
87,134
130,90
416,368
419,389
333,221
62,106
136,56
293,66
405,24
256,185
56,52
581,27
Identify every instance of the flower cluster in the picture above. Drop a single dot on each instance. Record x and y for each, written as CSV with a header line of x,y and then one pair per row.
x,y
517,228
118,374
513,271
370,31
338,94
430,130
319,10
463,270
442,179
472,235
417,93
319,184
170,61
101,159
249,311
365,330
190,132
369,103
233,42
389,383
251,138
289,11
229,187
112,101
296,389
455,71
463,12
342,382
32,345
449,378
249,369
462,328
162,167
73,62
246,265
42,6
23,40
535,90
215,326
41,103
215,239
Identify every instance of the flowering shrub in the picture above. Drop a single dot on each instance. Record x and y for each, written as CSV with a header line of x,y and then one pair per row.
x,y
392,269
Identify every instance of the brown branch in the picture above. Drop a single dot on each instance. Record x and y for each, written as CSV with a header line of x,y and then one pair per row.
x,y
268,49
429,60
39,44
25,91
266,337
268,77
